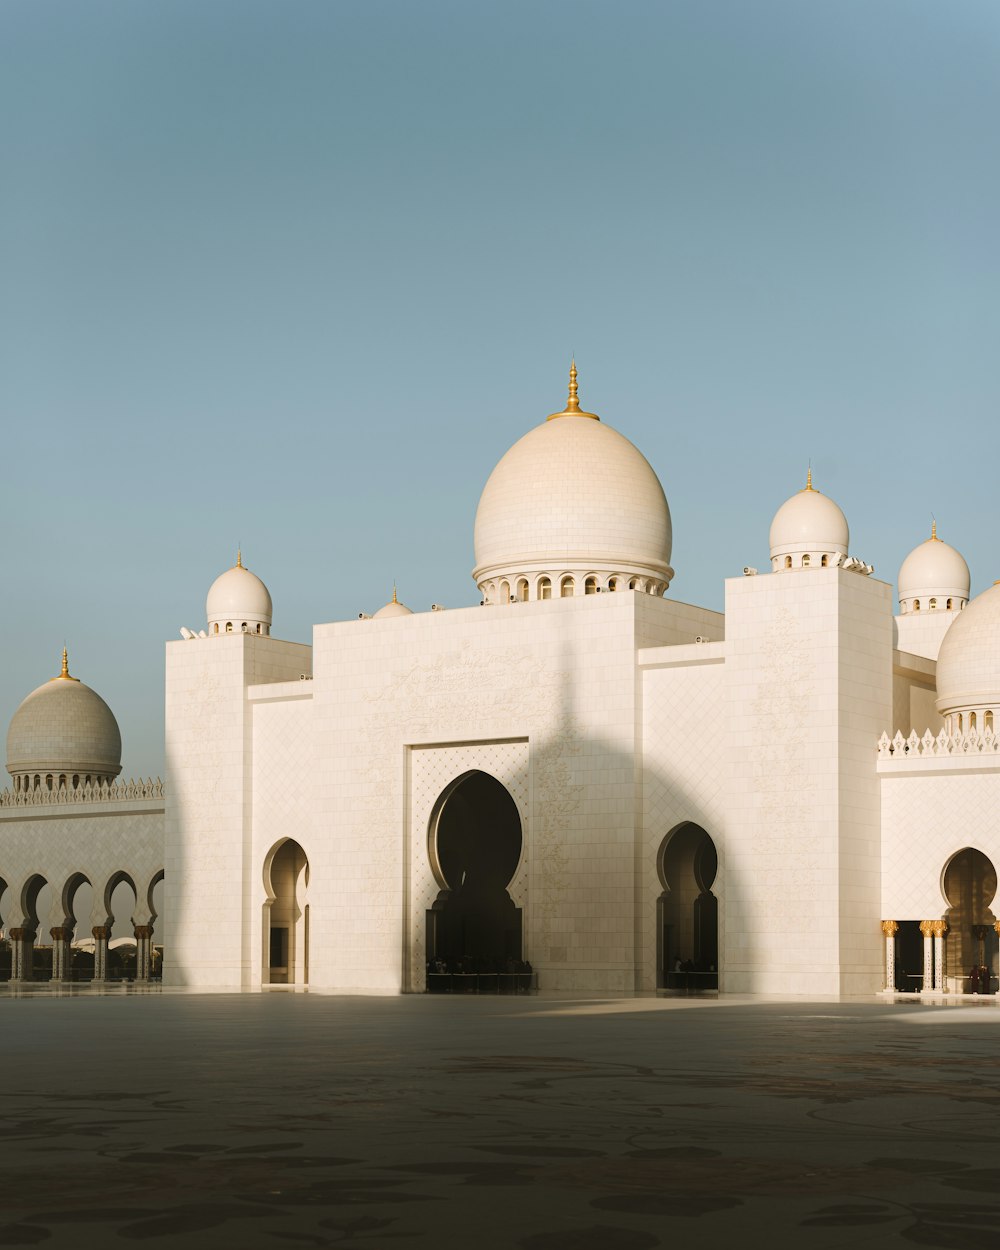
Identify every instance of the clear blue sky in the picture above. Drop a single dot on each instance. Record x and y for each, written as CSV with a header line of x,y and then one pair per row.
x,y
297,274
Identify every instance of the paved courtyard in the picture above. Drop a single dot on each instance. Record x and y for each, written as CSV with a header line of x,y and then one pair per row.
x,y
543,1124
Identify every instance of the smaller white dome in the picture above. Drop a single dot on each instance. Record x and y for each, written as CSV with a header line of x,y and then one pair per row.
x,y
392,608
933,574
807,528
238,599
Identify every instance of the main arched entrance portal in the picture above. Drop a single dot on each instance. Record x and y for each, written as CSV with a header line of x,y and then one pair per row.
x,y
970,883
475,847
687,910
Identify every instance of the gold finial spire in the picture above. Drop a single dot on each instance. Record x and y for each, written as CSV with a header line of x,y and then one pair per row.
x,y
573,403
239,558
394,599
809,478
934,537
573,408
65,674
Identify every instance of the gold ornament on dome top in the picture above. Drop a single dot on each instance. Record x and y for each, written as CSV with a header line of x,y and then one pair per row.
x,y
573,408
809,481
64,675
934,537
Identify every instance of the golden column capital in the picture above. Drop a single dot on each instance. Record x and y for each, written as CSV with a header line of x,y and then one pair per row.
x,y
939,927
890,927
996,926
927,927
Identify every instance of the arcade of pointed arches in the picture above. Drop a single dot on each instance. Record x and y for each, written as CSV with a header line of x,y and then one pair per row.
x,y
51,940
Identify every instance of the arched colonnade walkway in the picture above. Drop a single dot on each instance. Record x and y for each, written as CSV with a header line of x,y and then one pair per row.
x,y
81,927
958,951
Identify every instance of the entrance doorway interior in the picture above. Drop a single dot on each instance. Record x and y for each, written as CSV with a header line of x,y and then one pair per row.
x,y
687,910
970,884
286,916
475,847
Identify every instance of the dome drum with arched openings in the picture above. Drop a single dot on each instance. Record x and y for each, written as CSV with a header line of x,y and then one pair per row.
x,y
808,531
63,735
934,577
238,602
572,508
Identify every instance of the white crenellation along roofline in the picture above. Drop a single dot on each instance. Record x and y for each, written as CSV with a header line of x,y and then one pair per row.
x,y
941,752
134,791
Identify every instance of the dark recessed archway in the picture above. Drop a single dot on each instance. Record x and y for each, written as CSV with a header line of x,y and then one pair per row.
x,y
475,846
687,910
969,882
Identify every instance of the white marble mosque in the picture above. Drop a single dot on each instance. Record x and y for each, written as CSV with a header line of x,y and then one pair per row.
x,y
580,779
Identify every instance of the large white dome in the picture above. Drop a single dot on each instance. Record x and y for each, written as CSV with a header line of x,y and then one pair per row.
x,y
63,729
573,496
807,528
238,602
968,666
934,576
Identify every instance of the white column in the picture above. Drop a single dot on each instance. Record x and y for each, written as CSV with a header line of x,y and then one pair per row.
x,y
927,929
890,928
62,954
143,951
940,929
101,934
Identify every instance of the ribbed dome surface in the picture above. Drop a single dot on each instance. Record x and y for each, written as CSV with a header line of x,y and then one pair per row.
x,y
573,493
65,727
968,667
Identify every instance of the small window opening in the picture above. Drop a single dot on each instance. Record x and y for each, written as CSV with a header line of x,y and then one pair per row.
x,y
824,562
229,627
987,720
932,605
505,592
948,605
258,629
972,722
788,562
590,586
545,588
805,562
215,628
566,588
916,605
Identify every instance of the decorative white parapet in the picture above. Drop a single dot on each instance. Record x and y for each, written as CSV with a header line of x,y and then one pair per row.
x,y
942,745
118,792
